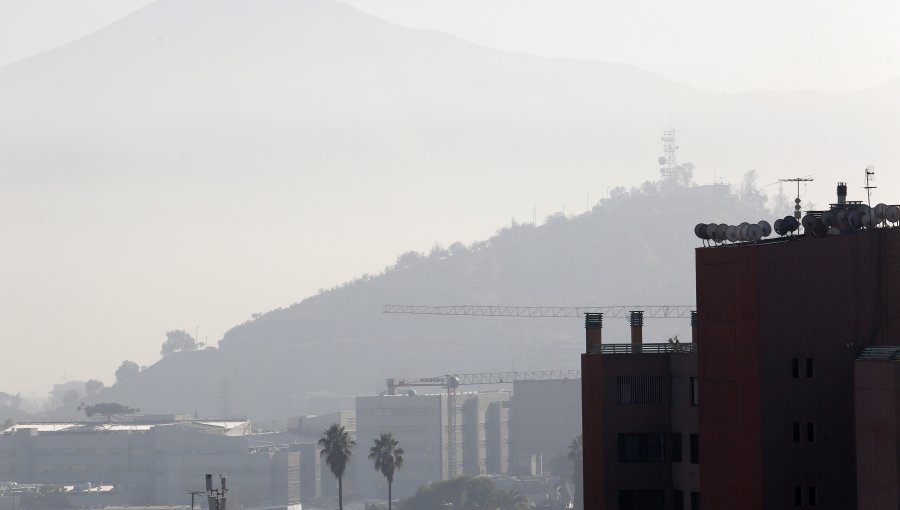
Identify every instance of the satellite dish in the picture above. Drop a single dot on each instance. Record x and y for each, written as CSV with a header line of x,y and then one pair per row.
x,y
742,231
711,231
809,222
879,212
834,231
779,227
842,220
754,233
766,228
700,230
892,213
731,234
720,232
829,219
790,224
868,219
854,219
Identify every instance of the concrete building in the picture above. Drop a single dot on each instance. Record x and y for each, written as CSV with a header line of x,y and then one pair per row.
x,y
544,417
151,460
422,426
419,423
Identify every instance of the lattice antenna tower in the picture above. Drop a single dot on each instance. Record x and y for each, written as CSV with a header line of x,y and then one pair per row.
x,y
668,161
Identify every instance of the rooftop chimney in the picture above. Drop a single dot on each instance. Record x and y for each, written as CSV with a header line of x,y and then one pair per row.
x,y
593,329
636,319
842,193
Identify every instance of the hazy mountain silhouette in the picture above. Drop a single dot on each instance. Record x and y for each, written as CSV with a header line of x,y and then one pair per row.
x,y
369,131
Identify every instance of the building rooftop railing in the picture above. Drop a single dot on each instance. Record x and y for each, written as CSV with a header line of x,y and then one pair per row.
x,y
661,348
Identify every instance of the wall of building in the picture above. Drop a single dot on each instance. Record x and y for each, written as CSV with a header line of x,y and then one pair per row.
x,y
877,405
475,436
541,406
419,423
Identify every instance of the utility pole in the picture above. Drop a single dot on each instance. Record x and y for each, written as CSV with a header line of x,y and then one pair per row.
x,y
798,180
870,174
194,493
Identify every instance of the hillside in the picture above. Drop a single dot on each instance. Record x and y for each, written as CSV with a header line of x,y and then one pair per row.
x,y
633,249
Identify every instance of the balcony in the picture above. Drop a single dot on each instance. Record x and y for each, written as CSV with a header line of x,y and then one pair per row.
x,y
662,348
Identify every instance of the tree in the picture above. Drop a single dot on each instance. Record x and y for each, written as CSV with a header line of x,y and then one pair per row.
x,y
576,457
108,409
387,457
178,340
127,371
337,449
93,386
511,500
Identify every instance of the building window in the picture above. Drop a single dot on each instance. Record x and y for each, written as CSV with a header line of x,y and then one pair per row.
x,y
809,368
796,431
676,447
695,501
695,449
642,500
695,391
795,368
640,390
811,432
678,500
641,448
798,495
812,495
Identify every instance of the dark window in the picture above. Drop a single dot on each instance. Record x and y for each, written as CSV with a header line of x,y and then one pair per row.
x,y
642,500
676,447
811,432
796,432
812,496
695,449
695,391
640,390
798,495
641,448
795,368
809,368
678,501
695,501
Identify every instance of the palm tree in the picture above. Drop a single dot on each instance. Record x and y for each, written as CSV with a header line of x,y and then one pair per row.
x,y
387,456
576,456
511,500
337,448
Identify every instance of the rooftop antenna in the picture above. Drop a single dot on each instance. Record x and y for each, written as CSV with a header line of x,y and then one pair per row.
x,y
870,176
667,160
798,180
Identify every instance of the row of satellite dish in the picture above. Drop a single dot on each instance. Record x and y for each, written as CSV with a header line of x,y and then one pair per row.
x,y
838,221
745,232
833,222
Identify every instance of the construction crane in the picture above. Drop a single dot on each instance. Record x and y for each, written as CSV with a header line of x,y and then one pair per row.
x,y
451,382
621,311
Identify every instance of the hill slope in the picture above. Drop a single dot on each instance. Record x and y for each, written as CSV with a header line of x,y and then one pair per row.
x,y
630,250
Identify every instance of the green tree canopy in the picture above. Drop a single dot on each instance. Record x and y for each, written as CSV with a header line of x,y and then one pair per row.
x,y
178,340
107,409
127,371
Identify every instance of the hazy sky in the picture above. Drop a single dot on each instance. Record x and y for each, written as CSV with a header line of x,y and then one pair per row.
x,y
724,46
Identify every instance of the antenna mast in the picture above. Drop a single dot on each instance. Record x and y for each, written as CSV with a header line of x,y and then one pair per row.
x,y
798,180
870,175
667,160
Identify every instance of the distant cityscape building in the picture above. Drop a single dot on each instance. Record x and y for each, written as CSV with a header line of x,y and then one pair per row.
x,y
151,460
